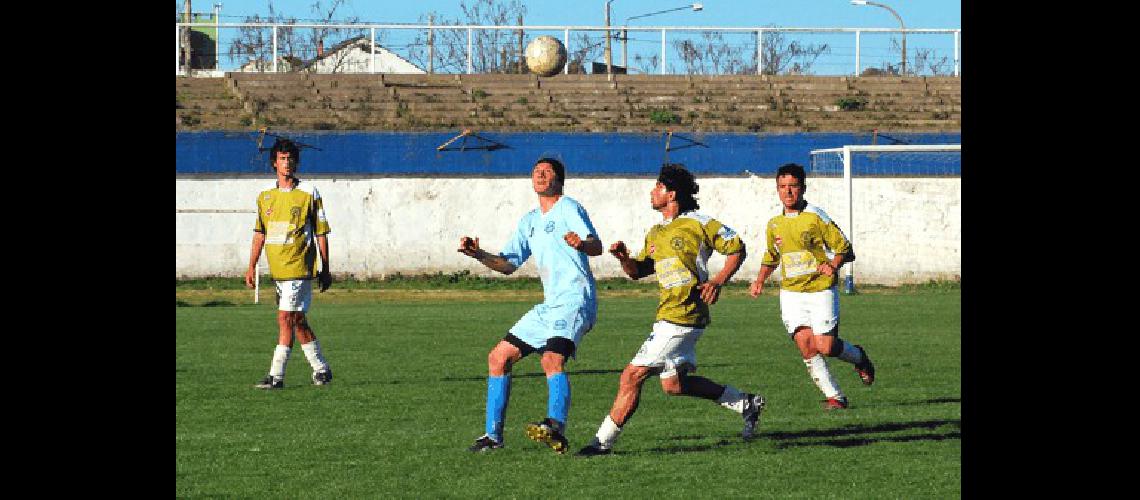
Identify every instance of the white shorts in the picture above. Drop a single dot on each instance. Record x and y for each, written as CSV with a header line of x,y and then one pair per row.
x,y
669,347
817,310
294,295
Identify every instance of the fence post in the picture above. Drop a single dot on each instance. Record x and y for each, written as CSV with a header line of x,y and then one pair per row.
x,y
662,51
178,49
759,52
957,34
856,52
469,71
274,55
566,42
372,58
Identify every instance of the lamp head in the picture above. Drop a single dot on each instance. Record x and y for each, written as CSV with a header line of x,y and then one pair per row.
x,y
697,7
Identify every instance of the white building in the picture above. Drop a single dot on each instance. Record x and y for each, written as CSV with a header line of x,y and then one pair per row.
x,y
353,56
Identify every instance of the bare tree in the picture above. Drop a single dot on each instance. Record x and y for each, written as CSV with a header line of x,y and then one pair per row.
x,y
782,57
256,43
647,64
327,38
927,60
586,48
492,50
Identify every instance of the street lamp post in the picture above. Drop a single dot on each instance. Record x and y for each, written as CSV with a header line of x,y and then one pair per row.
x,y
609,53
625,32
896,14
217,35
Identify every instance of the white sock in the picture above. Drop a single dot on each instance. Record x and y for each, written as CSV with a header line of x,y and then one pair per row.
x,y
313,354
607,434
280,357
817,368
732,399
850,354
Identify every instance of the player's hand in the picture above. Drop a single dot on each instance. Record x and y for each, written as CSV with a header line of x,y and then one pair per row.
x,y
756,289
826,269
710,292
249,276
618,249
325,280
573,240
468,246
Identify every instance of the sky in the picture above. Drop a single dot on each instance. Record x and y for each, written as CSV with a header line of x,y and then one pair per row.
x,y
736,13
876,50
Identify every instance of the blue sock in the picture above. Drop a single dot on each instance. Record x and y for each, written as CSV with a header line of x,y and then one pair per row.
x,y
498,393
558,397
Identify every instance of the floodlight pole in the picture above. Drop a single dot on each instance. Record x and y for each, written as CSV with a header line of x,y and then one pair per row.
x,y
896,14
697,7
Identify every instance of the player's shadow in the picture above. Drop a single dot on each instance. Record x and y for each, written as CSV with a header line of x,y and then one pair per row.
x,y
543,375
861,435
531,375
843,437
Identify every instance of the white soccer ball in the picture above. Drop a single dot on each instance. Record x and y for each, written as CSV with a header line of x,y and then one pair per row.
x,y
545,55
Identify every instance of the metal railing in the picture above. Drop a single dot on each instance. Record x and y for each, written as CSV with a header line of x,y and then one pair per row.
x,y
852,45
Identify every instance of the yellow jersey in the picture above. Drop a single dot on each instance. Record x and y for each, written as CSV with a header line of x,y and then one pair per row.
x,y
799,243
680,250
291,219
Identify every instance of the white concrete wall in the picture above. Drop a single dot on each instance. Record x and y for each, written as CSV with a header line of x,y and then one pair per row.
x,y
906,230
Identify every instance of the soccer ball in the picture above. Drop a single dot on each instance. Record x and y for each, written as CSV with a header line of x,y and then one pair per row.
x,y
545,55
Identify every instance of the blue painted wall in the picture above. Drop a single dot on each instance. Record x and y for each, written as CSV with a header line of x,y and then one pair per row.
x,y
513,153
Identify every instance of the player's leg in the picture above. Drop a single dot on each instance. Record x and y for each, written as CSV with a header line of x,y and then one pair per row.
x,y
650,359
565,325
832,345
817,369
677,380
500,360
310,345
796,312
287,303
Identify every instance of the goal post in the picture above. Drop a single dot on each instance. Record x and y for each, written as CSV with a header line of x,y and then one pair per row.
x,y
881,160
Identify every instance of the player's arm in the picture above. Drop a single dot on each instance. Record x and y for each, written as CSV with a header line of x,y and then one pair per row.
x,y
470,247
833,237
757,286
633,268
325,277
710,290
254,254
591,246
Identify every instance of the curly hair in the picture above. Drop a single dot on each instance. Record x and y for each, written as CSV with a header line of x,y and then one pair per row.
x,y
678,179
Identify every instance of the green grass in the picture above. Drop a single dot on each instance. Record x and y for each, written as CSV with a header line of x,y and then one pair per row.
x,y
409,389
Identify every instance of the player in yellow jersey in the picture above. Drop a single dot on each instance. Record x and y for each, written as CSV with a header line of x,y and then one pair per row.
x,y
292,228
810,247
677,251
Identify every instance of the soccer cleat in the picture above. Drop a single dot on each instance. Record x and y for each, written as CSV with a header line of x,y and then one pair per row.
x,y
866,369
834,404
271,382
485,443
322,377
593,451
753,407
546,432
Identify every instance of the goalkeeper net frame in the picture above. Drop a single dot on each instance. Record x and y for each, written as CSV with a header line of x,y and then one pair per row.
x,y
827,161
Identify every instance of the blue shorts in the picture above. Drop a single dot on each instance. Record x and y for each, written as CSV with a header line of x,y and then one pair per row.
x,y
544,322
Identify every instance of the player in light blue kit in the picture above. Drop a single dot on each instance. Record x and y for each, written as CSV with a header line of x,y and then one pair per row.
x,y
560,236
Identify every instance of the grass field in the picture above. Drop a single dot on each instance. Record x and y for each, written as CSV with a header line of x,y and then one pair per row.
x,y
410,383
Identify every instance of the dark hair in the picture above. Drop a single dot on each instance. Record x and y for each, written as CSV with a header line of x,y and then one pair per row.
x,y
559,169
679,180
282,145
795,170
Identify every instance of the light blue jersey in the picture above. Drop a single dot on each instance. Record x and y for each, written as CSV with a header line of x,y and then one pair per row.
x,y
565,271
570,303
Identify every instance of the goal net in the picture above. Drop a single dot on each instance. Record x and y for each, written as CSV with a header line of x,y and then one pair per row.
x,y
865,161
